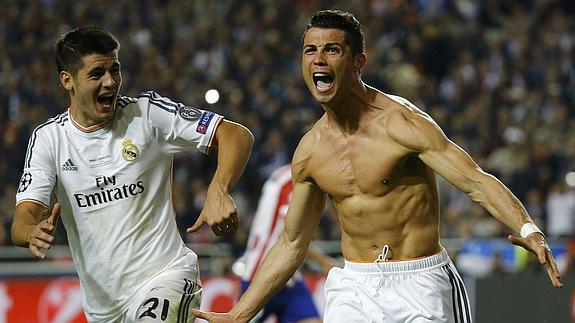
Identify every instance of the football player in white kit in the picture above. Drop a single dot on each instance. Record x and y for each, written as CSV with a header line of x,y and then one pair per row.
x,y
108,159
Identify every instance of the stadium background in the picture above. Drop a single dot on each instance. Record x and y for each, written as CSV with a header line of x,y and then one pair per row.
x,y
498,76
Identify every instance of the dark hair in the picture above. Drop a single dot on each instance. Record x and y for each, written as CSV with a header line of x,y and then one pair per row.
x,y
82,41
341,20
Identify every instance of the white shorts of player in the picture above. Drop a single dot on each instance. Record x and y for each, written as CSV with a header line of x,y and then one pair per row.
x,y
169,296
426,289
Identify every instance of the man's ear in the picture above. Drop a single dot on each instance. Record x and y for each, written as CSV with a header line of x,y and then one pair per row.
x,y
66,80
359,61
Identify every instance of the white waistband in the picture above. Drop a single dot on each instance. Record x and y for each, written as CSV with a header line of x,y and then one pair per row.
x,y
401,266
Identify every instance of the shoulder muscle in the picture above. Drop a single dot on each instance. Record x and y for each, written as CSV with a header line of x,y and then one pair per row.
x,y
303,154
413,128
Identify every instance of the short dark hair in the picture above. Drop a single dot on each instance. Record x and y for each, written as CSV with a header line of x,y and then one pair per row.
x,y
82,41
333,18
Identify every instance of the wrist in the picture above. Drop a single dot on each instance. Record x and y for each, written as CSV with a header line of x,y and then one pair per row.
x,y
219,187
529,228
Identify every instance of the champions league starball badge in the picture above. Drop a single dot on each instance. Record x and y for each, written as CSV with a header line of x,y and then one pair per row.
x,y
130,151
25,181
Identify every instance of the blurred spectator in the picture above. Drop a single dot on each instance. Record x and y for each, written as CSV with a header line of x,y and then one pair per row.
x,y
561,211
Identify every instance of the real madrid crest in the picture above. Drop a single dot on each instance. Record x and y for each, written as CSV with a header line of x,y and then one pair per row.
x,y
130,152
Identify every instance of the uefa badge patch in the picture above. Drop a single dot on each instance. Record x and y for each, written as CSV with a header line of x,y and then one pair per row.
x,y
204,122
189,113
130,151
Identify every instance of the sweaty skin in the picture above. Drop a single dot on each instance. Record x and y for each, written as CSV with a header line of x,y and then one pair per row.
x,y
383,192
375,156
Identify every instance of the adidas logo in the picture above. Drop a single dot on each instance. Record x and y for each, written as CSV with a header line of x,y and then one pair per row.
x,y
69,166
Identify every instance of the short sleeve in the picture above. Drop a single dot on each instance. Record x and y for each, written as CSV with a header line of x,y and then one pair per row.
x,y
179,127
39,176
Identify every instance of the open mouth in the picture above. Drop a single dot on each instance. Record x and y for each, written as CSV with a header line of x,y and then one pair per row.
x,y
322,81
106,99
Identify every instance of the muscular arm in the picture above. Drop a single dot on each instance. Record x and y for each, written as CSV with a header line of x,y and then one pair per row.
x,y
31,230
416,131
234,147
423,135
287,254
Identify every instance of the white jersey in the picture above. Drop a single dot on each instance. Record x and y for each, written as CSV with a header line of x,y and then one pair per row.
x,y
269,219
114,186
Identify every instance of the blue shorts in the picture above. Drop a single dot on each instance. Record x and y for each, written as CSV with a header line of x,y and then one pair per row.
x,y
291,304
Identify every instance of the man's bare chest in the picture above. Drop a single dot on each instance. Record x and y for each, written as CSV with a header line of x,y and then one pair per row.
x,y
354,167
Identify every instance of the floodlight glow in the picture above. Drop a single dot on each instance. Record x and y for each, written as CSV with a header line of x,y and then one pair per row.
x,y
212,96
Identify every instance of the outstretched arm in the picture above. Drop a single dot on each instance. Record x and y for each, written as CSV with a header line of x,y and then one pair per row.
x,y
284,258
234,147
32,229
418,132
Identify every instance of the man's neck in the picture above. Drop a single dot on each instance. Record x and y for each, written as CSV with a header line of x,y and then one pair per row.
x,y
345,115
348,112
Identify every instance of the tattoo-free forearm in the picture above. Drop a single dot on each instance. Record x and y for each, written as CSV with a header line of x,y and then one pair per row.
x,y
498,200
277,268
28,214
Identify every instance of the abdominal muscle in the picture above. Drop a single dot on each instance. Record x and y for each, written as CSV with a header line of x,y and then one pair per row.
x,y
408,223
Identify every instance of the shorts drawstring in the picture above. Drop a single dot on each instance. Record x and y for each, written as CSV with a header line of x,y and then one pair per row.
x,y
382,257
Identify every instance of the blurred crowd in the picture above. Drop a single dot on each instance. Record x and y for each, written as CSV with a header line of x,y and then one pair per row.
x,y
497,75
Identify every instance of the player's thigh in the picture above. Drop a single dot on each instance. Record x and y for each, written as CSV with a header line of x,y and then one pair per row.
x,y
168,298
343,303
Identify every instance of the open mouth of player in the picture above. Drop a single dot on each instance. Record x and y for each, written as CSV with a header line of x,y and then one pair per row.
x,y
323,81
106,100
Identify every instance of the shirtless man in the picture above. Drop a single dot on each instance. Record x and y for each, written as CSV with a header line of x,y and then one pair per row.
x,y
375,156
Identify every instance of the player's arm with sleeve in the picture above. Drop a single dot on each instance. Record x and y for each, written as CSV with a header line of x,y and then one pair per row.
x,y
417,131
32,226
234,144
287,254
181,128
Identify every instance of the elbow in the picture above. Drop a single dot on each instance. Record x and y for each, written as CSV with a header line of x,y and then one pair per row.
x,y
484,186
296,249
13,235
16,238
475,191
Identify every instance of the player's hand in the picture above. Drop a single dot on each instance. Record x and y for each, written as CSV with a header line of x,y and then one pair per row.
x,y
214,317
219,212
40,237
535,242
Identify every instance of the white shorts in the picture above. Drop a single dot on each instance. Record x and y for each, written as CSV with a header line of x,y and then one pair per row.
x,y
423,290
168,297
